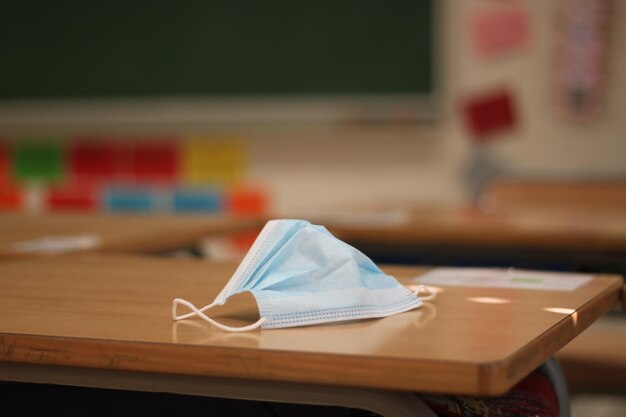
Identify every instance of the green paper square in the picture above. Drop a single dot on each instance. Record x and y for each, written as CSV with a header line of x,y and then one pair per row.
x,y
38,161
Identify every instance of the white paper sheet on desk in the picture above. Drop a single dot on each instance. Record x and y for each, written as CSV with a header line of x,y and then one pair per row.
x,y
57,244
504,278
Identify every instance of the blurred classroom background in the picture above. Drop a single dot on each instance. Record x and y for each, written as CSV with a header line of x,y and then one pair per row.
x,y
500,99
354,157
283,108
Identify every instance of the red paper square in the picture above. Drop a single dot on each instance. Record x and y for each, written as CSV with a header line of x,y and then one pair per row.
x,y
83,197
489,114
97,161
155,162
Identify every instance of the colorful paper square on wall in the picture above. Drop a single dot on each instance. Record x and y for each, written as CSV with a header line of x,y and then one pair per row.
x,y
10,197
133,200
73,197
96,160
186,200
35,161
249,199
489,114
123,174
500,30
211,162
155,161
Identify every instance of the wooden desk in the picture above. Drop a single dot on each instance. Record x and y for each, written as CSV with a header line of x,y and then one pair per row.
x,y
579,240
513,194
118,233
104,320
586,236
576,229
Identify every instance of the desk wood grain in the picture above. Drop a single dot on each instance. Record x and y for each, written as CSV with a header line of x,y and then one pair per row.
x,y
113,311
119,233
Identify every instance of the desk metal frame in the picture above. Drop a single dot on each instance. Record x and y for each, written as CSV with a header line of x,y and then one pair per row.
x,y
381,402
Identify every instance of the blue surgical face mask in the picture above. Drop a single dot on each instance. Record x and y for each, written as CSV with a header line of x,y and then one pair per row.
x,y
300,275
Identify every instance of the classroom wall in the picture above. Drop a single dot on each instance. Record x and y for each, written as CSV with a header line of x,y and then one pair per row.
x,y
548,142
325,167
313,167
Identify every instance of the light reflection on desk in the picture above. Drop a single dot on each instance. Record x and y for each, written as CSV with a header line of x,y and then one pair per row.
x,y
565,311
489,300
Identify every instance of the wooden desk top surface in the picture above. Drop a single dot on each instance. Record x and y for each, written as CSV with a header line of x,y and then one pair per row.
x,y
118,233
113,311
584,228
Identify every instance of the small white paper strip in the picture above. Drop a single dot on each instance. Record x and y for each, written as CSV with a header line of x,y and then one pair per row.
x,y
503,278
57,244
361,219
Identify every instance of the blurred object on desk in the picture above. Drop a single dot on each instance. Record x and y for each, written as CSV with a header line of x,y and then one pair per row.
x,y
113,233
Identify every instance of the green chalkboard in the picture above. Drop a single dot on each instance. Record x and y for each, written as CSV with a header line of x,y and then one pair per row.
x,y
131,48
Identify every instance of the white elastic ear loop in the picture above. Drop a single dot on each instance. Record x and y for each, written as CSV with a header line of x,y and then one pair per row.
x,y
199,312
425,288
